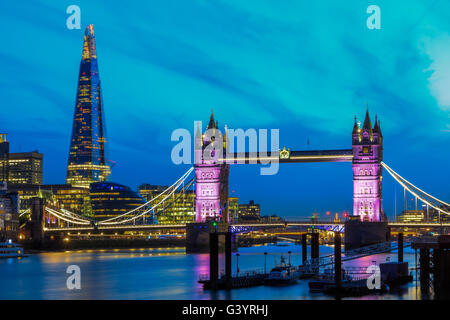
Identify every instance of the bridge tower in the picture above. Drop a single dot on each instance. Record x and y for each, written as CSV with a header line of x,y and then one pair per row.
x,y
211,175
367,145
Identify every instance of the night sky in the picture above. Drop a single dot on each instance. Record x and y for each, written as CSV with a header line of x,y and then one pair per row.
x,y
304,67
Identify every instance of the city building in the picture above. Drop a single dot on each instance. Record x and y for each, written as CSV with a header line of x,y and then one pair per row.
x,y
9,214
149,191
180,210
19,167
270,219
249,211
434,215
74,199
233,208
4,151
183,209
109,199
408,216
87,163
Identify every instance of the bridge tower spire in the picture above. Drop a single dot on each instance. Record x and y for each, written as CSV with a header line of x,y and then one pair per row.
x,y
367,146
211,175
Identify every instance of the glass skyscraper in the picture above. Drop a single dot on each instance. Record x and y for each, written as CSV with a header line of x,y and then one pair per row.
x,y
87,162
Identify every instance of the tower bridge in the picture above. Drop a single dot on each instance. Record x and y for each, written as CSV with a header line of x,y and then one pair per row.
x,y
212,170
209,177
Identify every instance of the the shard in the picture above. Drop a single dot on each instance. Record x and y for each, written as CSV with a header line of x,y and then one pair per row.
x,y
87,163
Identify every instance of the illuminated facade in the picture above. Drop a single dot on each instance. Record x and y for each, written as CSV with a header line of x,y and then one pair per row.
x,y
434,215
110,199
233,208
249,211
409,216
367,145
9,213
182,209
211,177
74,199
19,167
87,162
4,150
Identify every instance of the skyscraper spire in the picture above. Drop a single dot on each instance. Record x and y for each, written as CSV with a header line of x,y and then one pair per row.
x,y
87,161
211,124
198,132
355,127
225,139
89,49
367,125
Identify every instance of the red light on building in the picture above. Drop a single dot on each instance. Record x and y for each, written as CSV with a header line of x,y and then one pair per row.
x,y
328,213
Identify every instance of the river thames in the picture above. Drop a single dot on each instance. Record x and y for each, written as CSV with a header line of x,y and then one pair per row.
x,y
163,274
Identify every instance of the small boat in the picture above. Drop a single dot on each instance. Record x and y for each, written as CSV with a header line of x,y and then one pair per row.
x,y
10,249
325,281
282,274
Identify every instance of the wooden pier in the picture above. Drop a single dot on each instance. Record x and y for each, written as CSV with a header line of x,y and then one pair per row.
x,y
242,280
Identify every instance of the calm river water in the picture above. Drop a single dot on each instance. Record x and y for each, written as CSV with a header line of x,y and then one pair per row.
x,y
159,273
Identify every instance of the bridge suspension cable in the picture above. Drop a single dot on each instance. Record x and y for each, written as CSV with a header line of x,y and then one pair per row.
x,y
66,218
132,215
24,212
148,207
426,198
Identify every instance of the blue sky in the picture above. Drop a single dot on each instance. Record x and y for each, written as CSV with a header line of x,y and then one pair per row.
x,y
306,68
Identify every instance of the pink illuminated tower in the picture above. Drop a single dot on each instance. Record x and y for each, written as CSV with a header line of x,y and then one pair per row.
x,y
211,176
367,145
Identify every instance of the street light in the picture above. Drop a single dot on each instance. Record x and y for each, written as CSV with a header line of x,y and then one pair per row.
x,y
265,262
237,263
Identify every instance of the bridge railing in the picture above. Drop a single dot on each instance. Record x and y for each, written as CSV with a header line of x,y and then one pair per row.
x,y
423,239
245,223
313,265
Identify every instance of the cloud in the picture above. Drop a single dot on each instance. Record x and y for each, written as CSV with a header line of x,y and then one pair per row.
x,y
438,50
304,67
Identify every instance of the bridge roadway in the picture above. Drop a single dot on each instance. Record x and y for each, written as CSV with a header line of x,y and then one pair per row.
x,y
287,156
257,225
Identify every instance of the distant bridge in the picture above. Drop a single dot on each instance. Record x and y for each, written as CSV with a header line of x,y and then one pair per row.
x,y
323,225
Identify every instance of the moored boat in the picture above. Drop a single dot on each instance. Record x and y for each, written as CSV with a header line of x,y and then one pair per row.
x,y
10,249
282,274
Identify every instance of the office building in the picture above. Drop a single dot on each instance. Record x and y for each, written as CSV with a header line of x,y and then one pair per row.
x,y
180,210
9,214
249,211
109,199
19,167
410,216
87,163
74,199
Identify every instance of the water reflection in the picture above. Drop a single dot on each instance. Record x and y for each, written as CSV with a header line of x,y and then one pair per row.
x,y
161,273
